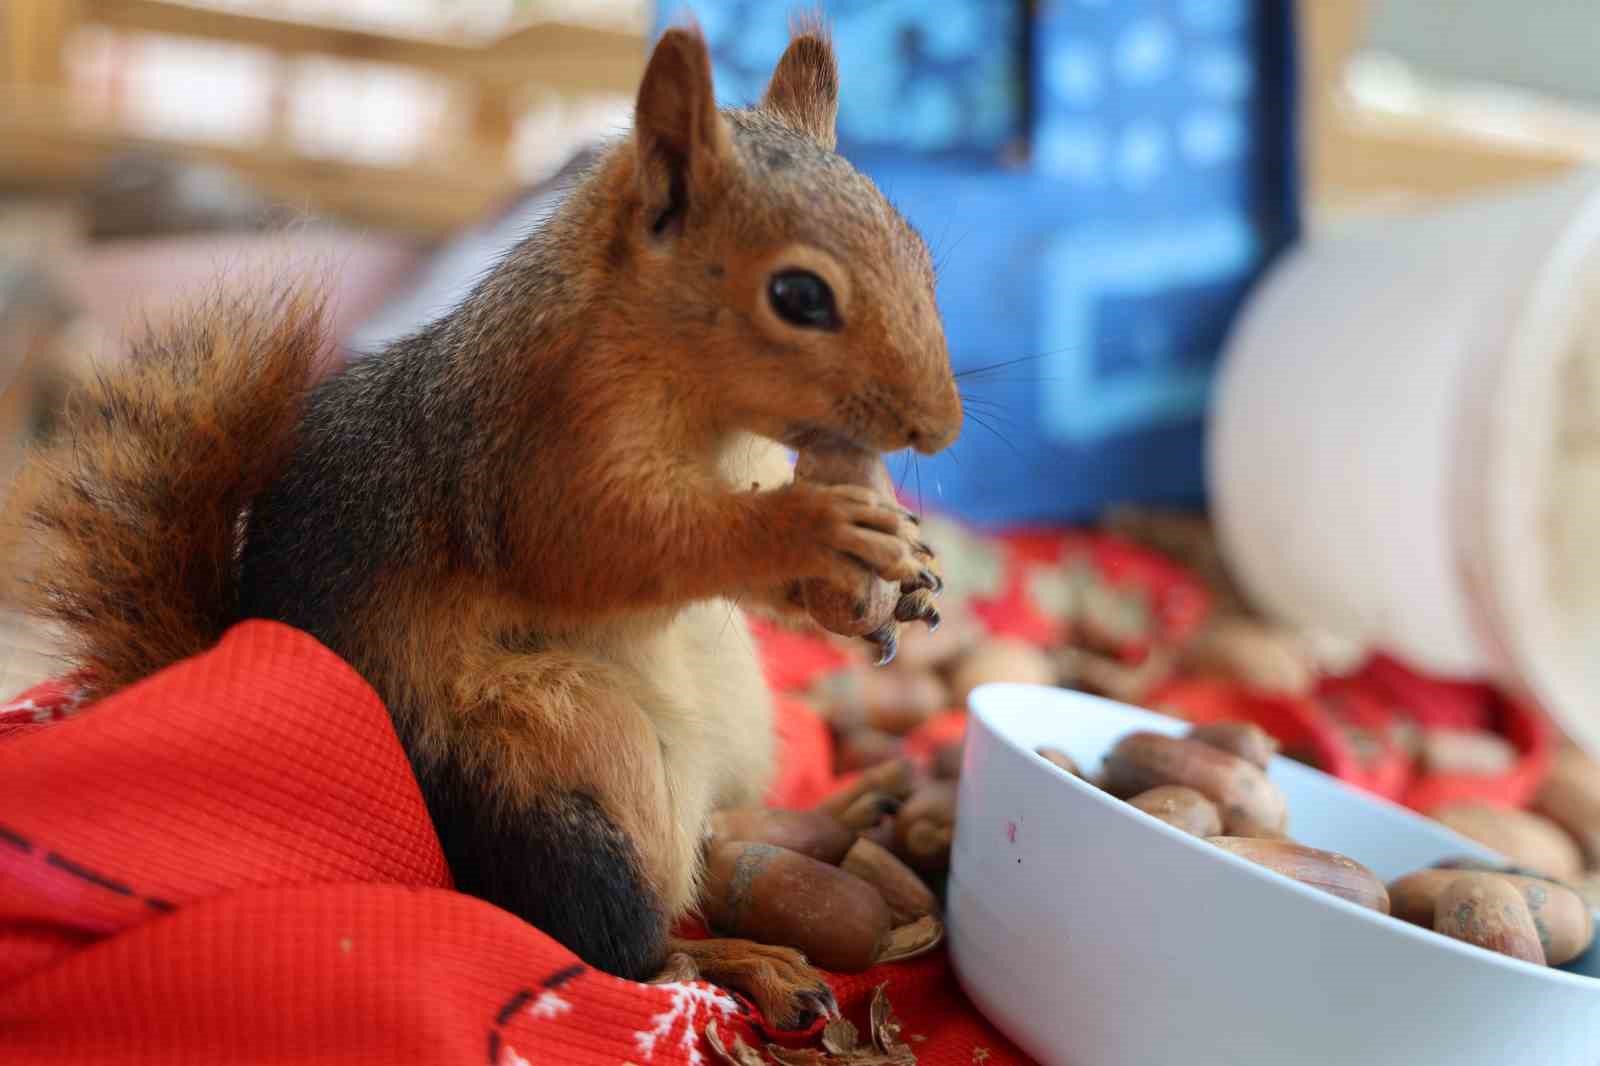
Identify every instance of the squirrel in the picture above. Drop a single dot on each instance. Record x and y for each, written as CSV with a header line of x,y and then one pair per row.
x,y
533,525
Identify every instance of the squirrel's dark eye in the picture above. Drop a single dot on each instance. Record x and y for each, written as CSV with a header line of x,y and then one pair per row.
x,y
802,299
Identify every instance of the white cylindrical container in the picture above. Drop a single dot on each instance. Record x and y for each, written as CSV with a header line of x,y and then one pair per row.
x,y
1403,441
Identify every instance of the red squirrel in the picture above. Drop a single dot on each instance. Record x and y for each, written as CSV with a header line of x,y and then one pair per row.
x,y
532,525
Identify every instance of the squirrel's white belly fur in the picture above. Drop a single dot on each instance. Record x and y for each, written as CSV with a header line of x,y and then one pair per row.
x,y
698,679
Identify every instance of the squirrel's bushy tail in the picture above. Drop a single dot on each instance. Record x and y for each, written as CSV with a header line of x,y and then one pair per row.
x,y
136,508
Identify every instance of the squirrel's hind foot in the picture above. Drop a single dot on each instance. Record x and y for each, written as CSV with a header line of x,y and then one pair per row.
x,y
782,985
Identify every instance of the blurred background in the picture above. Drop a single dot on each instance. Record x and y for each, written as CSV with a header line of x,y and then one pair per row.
x,y
1103,182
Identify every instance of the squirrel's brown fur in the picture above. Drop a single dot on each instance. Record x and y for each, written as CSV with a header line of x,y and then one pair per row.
x,y
136,505
528,525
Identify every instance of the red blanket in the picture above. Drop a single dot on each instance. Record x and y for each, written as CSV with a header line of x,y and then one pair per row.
x,y
231,862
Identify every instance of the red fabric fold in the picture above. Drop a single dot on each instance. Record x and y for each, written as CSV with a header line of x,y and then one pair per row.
x,y
231,862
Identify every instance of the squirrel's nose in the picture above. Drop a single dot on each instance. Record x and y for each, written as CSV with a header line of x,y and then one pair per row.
x,y
938,429
936,426
932,439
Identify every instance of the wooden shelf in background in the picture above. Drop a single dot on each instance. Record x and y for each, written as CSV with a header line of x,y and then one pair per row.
x,y
1355,161
452,184
28,654
566,57
46,142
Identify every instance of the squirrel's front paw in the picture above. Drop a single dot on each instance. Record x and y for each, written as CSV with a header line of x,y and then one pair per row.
x,y
843,529
916,604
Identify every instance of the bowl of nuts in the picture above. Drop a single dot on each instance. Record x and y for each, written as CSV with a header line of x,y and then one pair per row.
x,y
1127,888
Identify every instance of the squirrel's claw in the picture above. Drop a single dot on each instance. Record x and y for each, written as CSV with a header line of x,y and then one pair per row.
x,y
815,1004
928,576
914,606
887,639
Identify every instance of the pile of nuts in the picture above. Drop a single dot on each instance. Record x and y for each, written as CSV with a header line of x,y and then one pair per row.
x,y
1542,904
871,709
1508,909
1558,838
855,882
1212,784
1113,643
843,883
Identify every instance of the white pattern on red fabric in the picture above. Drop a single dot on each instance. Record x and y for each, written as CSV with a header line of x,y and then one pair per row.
x,y
682,1016
27,710
49,702
549,1005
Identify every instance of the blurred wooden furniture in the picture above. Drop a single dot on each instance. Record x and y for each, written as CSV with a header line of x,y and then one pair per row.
x,y
28,654
1356,160
35,320
48,133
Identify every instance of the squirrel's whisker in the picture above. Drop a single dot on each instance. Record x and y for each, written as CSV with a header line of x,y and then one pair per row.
x,y
997,434
992,409
918,470
945,256
979,371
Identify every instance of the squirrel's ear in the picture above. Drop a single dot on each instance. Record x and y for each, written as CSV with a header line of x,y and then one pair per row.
x,y
804,91
678,134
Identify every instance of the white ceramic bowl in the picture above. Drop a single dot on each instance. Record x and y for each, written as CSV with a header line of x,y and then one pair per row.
x,y
1095,935
1414,366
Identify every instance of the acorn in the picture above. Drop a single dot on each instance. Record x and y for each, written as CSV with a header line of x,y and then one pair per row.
x,y
1245,739
893,779
893,700
1570,797
1060,758
905,893
1261,656
925,826
1249,802
869,809
1325,870
1485,910
946,765
1561,917
774,896
869,606
996,660
1523,837
858,749
807,832
1182,808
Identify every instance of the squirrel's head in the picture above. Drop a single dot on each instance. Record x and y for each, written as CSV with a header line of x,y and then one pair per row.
x,y
807,299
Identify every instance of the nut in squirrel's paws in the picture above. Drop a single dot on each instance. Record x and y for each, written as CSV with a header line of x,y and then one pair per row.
x,y
875,600
856,529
